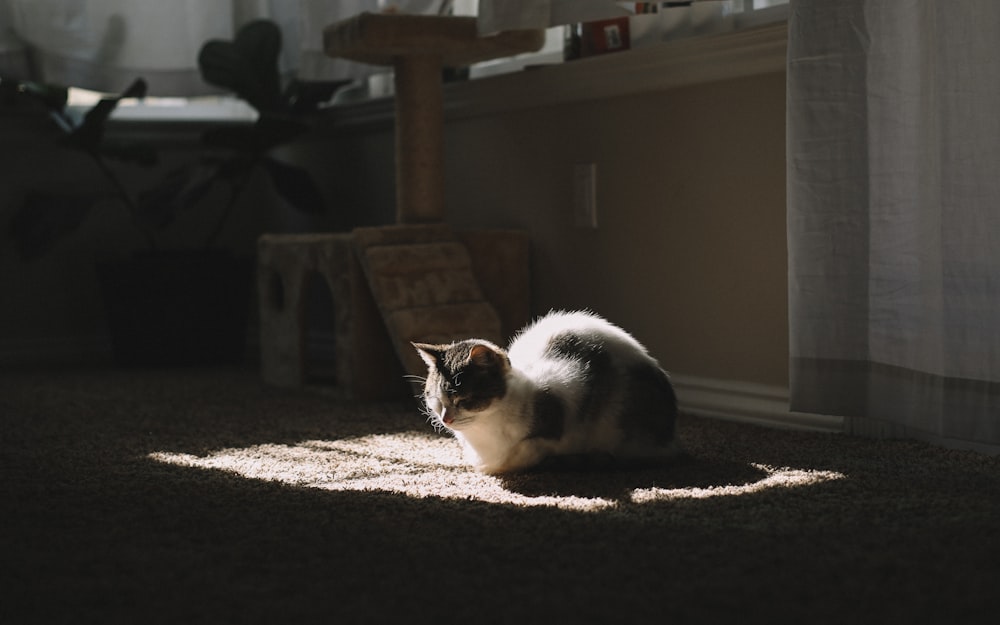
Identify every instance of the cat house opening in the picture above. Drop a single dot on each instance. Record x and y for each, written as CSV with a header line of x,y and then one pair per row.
x,y
318,336
276,291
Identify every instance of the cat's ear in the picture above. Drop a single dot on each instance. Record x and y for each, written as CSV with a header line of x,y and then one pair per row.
x,y
486,356
431,354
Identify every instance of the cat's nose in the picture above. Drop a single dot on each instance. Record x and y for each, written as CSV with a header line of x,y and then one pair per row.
x,y
446,417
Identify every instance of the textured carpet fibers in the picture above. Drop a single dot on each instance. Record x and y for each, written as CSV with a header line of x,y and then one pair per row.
x,y
204,496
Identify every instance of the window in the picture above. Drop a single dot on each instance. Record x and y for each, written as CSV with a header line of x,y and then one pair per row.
x,y
201,108
671,21
664,21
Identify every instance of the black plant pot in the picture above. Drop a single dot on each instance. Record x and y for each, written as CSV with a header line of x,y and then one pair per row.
x,y
186,307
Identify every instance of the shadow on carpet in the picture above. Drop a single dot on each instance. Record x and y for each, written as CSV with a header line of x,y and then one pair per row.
x,y
204,496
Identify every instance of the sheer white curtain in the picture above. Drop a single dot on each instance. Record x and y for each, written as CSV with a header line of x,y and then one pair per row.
x,y
894,216
105,44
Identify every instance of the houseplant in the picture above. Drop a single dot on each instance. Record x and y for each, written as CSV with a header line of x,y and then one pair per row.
x,y
182,306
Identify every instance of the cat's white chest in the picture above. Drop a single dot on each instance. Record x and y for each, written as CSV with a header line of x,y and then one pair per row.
x,y
497,442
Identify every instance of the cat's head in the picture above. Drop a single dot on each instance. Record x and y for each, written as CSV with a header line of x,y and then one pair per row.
x,y
463,380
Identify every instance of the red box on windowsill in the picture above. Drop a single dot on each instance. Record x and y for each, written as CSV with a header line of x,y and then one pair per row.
x,y
603,36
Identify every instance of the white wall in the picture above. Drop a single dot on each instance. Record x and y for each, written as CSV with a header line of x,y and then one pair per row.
x,y
690,253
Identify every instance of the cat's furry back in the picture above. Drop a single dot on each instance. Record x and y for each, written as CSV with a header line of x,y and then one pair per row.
x,y
569,384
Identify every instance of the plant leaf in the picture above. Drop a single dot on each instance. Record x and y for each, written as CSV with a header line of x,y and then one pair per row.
x,y
247,66
45,217
181,188
131,152
273,130
52,97
296,185
260,43
304,96
87,136
238,138
267,132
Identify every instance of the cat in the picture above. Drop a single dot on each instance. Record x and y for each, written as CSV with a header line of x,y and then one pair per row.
x,y
570,385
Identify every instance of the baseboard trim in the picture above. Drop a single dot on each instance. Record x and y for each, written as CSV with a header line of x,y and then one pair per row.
x,y
747,402
55,350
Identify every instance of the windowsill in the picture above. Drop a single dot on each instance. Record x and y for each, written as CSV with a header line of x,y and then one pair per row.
x,y
219,109
663,66
758,45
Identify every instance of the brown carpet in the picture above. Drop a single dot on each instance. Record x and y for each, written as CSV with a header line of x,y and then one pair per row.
x,y
202,496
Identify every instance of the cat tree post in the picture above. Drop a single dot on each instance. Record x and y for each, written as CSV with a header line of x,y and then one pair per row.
x,y
419,47
419,139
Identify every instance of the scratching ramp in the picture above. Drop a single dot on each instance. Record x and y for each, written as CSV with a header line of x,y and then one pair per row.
x,y
423,281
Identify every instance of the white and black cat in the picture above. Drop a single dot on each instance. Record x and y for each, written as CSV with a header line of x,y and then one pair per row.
x,y
571,384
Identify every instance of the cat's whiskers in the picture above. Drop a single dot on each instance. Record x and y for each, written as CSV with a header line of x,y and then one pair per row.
x,y
432,417
424,408
436,423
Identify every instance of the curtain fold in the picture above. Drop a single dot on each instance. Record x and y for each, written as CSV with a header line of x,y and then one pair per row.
x,y
894,216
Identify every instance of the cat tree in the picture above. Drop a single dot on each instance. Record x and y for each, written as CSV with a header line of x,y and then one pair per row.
x,y
418,48
426,282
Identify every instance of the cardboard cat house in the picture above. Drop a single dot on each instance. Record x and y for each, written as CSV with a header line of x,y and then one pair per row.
x,y
418,280
390,286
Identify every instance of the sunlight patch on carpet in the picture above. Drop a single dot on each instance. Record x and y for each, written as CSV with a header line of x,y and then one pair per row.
x,y
423,465
774,478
